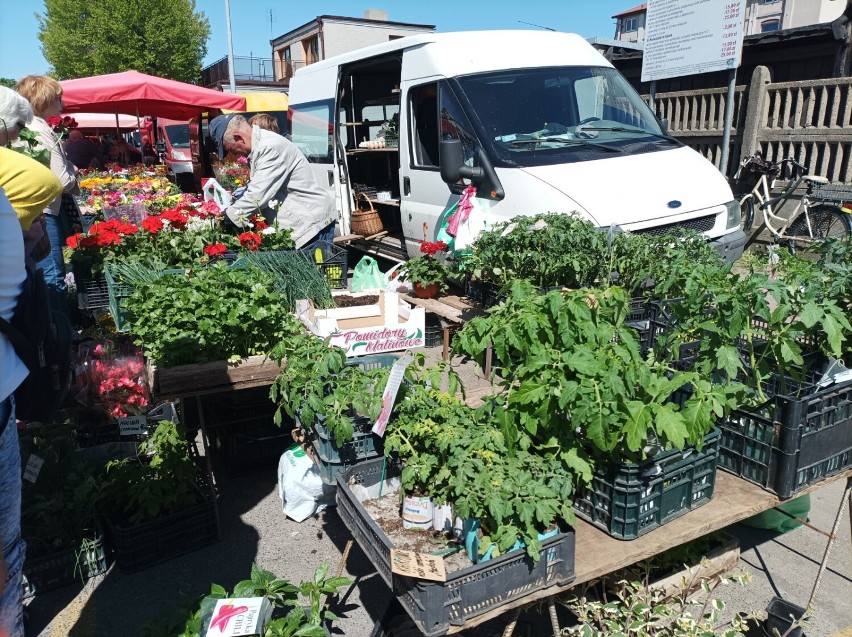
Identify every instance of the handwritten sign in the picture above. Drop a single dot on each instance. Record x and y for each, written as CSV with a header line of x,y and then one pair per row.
x,y
685,38
132,425
418,565
33,467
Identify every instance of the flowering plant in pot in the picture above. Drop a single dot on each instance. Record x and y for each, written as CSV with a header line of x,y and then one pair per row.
x,y
426,273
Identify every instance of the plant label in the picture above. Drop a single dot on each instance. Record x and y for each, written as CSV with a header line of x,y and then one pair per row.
x,y
132,425
418,565
33,467
395,377
238,617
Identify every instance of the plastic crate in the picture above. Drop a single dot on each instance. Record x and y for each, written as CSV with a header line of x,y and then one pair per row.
x,y
434,336
467,593
138,546
87,436
92,293
65,566
332,260
252,445
841,193
118,292
780,615
629,500
794,440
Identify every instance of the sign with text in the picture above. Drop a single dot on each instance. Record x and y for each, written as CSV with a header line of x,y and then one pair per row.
x,y
418,565
685,37
34,464
132,425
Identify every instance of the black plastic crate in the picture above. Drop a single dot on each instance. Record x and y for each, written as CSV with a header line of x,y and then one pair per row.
x,y
332,260
629,500
330,468
138,546
794,440
252,445
467,593
434,336
92,293
88,435
65,566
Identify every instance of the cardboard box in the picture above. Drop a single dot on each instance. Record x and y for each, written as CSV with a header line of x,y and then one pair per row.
x,y
386,326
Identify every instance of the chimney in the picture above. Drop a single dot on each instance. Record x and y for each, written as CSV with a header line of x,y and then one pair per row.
x,y
376,14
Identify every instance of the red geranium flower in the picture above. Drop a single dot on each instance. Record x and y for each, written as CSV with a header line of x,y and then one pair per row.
x,y
250,240
258,223
432,247
152,224
215,249
73,241
211,208
175,218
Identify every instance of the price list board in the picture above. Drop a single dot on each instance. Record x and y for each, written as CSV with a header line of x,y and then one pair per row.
x,y
685,37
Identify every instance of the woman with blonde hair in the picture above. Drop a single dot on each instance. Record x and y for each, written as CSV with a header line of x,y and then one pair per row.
x,y
265,121
45,97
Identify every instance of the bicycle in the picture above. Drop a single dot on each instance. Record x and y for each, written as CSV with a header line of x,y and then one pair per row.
x,y
825,208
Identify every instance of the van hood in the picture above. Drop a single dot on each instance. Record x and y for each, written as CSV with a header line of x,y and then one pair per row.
x,y
623,190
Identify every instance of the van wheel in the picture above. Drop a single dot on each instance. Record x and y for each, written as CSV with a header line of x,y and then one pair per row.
x,y
747,213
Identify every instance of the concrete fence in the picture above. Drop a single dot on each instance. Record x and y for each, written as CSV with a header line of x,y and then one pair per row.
x,y
810,121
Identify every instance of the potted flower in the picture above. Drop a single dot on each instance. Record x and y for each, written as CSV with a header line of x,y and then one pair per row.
x,y
426,273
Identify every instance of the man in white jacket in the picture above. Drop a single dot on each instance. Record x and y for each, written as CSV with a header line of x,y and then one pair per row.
x,y
279,173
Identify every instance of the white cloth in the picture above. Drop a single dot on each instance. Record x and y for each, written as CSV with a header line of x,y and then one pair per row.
x,y
280,172
12,274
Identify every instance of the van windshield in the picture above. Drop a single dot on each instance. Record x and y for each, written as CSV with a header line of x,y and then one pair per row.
x,y
533,117
178,135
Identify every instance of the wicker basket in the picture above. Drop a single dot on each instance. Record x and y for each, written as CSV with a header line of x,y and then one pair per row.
x,y
366,222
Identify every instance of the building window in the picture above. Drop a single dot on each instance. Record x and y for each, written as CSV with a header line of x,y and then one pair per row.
x,y
769,2
630,24
770,25
311,47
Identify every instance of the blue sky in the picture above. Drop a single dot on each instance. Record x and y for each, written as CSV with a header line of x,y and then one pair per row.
x,y
20,49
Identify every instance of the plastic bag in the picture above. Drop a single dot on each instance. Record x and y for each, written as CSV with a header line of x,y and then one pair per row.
x,y
302,491
777,521
396,279
461,223
212,189
367,276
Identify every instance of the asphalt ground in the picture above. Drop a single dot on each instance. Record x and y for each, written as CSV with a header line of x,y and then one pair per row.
x,y
255,530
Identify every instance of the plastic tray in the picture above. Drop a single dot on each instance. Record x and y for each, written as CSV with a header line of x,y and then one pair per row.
x,y
468,593
86,436
793,441
629,500
159,539
92,293
252,445
64,567
119,291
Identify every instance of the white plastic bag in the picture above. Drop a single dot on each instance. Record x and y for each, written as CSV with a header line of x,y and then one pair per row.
x,y
396,279
212,189
302,491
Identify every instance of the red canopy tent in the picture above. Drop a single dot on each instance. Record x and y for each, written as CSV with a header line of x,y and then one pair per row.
x,y
134,92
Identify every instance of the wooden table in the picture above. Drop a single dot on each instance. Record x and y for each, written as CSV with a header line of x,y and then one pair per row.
x,y
452,308
598,554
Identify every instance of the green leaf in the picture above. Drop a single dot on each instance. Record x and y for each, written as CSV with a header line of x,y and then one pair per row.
x,y
728,360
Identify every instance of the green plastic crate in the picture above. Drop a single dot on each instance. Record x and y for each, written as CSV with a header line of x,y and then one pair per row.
x,y
118,292
629,500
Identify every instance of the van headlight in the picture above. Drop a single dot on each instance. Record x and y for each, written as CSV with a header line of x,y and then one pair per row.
x,y
734,214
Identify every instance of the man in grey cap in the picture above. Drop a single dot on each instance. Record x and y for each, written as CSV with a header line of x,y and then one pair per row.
x,y
279,173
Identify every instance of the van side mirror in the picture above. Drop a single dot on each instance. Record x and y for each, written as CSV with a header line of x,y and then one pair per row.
x,y
161,146
453,168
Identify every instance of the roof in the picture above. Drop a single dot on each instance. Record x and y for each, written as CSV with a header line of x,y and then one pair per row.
x,y
637,9
336,18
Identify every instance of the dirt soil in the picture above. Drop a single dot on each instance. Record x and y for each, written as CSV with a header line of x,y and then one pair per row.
x,y
385,512
344,300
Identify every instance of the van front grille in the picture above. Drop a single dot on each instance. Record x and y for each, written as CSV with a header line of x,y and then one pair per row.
x,y
699,224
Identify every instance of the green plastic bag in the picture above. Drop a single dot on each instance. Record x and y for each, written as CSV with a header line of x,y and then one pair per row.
x,y
777,521
367,276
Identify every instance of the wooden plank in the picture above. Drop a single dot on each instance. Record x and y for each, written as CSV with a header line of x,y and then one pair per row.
x,y
597,554
346,238
207,378
453,309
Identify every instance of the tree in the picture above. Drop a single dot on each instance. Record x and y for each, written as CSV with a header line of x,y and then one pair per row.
x,y
167,38
8,82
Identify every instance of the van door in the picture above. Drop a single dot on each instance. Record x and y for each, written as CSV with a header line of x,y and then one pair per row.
x,y
431,112
312,130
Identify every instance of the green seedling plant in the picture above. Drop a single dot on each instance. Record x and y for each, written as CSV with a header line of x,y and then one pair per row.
x,y
160,480
289,618
546,249
634,610
573,375
213,313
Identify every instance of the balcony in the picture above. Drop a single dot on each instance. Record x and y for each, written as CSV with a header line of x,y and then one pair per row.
x,y
290,67
250,69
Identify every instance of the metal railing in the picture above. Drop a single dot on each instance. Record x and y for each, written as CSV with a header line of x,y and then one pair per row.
x,y
245,68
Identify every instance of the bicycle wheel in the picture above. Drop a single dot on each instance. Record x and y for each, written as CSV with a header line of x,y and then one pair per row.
x,y
826,222
747,212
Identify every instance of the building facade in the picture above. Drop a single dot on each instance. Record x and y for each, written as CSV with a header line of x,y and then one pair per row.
x,y
761,16
327,36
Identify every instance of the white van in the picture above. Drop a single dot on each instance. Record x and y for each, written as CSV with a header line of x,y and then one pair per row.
x,y
539,121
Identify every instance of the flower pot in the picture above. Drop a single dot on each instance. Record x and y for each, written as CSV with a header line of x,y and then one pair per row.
x,y
428,292
417,512
442,518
